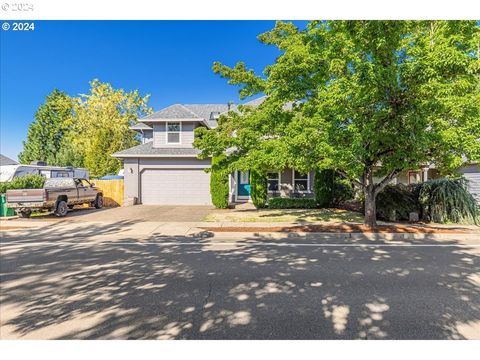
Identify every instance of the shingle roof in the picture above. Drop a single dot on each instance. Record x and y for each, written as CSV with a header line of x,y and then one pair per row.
x,y
141,126
176,111
148,150
202,112
7,161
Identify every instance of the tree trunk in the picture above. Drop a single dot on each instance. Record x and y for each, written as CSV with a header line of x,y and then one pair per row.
x,y
370,207
370,194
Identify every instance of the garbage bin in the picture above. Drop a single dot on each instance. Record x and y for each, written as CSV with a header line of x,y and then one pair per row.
x,y
4,211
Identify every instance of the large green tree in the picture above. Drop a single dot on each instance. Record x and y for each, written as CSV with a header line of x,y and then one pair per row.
x,y
101,125
367,98
46,134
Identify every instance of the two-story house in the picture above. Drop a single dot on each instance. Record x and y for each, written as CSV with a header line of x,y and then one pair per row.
x,y
164,169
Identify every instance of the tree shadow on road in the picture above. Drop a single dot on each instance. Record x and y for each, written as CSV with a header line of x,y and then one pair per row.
x,y
208,289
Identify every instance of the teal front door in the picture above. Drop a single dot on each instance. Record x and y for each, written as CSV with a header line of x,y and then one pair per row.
x,y
243,183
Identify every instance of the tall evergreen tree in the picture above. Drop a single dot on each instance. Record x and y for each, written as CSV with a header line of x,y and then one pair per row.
x,y
46,134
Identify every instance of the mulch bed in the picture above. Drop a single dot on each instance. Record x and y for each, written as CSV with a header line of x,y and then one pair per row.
x,y
346,228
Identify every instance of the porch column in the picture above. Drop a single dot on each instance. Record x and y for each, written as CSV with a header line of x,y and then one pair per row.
x,y
425,174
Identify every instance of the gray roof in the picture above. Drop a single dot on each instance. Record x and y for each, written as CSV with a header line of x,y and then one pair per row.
x,y
6,160
141,126
207,113
176,111
148,150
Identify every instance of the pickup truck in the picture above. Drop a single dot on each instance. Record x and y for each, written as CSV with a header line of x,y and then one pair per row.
x,y
58,195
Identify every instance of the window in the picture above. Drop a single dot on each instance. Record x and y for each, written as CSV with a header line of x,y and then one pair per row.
x,y
414,177
301,182
173,132
273,181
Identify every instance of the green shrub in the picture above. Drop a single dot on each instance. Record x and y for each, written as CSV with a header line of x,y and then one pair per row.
x,y
292,203
331,189
396,202
258,188
447,200
219,184
29,181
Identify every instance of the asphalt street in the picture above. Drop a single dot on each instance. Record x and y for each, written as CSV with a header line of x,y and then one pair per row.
x,y
238,288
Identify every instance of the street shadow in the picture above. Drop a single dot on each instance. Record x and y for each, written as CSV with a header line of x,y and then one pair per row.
x,y
209,288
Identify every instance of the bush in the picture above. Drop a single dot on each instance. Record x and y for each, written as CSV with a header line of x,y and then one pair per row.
x,y
29,181
291,203
447,200
219,184
258,188
396,202
331,189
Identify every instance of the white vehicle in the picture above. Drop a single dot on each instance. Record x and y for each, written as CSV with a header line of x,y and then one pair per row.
x,y
9,172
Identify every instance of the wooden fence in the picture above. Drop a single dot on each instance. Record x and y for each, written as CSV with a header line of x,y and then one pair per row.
x,y
112,191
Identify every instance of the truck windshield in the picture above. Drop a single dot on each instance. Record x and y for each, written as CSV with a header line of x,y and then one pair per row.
x,y
59,182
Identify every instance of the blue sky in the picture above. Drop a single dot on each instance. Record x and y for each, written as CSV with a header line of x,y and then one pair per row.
x,y
171,60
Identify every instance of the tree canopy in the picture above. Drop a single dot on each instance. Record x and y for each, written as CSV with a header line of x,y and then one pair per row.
x,y
364,98
85,130
46,135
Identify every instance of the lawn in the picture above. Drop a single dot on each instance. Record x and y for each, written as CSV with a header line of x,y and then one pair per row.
x,y
285,215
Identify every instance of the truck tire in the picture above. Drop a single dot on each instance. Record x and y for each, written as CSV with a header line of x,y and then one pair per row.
x,y
98,202
61,209
24,213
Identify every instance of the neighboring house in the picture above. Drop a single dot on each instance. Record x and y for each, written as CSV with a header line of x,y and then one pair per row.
x,y
6,161
164,168
470,171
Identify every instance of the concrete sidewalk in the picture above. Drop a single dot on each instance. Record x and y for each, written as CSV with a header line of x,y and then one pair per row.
x,y
43,230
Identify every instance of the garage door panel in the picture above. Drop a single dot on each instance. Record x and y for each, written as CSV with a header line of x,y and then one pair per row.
x,y
175,187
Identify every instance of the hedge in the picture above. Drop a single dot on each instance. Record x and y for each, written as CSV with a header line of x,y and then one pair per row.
x,y
331,189
291,203
29,181
396,202
219,184
258,188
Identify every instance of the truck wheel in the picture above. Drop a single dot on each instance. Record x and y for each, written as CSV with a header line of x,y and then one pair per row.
x,y
98,202
62,209
24,214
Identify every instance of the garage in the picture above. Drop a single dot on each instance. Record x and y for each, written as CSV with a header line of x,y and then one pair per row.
x,y
175,187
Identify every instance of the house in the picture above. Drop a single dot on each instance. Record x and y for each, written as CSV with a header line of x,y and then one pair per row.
x,y
470,171
164,168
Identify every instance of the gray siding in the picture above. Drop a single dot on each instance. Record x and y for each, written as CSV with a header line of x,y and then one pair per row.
x,y
133,169
186,135
472,174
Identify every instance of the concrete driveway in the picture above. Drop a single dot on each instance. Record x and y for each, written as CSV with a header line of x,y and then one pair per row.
x,y
93,285
138,213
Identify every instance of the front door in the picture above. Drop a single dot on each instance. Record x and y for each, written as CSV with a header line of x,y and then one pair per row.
x,y
243,181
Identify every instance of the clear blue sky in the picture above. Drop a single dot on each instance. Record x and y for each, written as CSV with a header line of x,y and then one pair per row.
x,y
171,60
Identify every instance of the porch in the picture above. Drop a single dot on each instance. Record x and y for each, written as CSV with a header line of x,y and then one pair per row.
x,y
286,183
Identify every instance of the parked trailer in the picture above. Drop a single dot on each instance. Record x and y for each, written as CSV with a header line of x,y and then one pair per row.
x,y
9,172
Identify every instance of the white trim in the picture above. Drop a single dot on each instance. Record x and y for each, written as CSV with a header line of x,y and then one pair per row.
x,y
279,181
173,132
308,183
239,197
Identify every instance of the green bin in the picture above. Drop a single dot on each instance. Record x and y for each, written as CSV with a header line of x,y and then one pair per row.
x,y
4,211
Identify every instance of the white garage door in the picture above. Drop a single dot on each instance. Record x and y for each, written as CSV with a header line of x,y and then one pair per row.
x,y
175,187
474,184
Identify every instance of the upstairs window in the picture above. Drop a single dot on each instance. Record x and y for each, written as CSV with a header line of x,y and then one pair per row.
x,y
173,132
